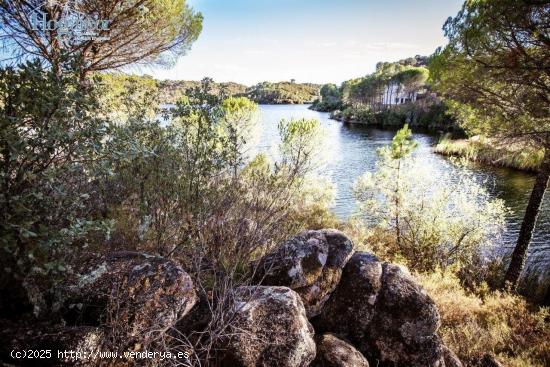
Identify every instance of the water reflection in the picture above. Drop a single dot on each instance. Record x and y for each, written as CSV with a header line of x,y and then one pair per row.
x,y
351,150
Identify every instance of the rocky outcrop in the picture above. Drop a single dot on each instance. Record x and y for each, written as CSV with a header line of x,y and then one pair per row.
x,y
310,264
334,352
137,295
385,313
270,328
43,338
364,310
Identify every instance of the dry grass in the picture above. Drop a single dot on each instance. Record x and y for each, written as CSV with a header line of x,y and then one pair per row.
x,y
504,154
489,322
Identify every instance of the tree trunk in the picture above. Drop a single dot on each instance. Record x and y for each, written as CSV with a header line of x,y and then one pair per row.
x,y
529,220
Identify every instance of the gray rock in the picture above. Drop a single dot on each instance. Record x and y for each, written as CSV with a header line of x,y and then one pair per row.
x,y
385,313
310,263
42,338
334,352
270,328
138,295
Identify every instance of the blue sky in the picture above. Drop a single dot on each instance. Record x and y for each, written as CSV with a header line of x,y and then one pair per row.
x,y
318,41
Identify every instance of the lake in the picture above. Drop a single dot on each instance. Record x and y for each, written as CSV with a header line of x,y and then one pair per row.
x,y
351,151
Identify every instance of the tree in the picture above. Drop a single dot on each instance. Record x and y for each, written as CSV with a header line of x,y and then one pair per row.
x,y
432,219
496,69
127,95
137,31
240,125
401,146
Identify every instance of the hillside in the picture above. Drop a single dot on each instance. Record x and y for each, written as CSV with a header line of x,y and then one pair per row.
x,y
263,93
283,93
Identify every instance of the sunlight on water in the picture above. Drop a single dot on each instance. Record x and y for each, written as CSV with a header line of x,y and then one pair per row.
x,y
351,150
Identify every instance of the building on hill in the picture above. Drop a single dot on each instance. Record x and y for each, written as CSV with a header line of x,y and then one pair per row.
x,y
397,94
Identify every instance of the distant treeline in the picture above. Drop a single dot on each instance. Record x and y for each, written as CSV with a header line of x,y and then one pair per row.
x,y
170,91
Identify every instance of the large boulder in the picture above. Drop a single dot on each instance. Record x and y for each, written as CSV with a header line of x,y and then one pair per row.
x,y
269,328
385,313
334,352
310,263
138,296
50,343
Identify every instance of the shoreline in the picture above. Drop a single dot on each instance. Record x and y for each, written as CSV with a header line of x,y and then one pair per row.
x,y
515,156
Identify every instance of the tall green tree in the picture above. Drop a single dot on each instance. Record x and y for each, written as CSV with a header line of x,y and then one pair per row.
x,y
496,71
137,31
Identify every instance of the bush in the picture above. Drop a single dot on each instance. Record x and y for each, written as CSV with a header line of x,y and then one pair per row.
x,y
51,138
192,185
430,218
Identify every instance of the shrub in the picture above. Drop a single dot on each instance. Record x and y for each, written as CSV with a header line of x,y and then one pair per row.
x,y
50,138
433,219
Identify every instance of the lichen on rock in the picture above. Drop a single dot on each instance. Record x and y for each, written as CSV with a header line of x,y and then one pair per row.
x,y
310,263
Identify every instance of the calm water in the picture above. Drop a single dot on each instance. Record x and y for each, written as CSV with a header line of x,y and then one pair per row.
x,y
351,150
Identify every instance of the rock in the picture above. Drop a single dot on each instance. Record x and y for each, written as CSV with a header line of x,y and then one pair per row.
x,y
270,328
384,313
333,352
489,360
310,264
137,295
451,360
198,317
82,339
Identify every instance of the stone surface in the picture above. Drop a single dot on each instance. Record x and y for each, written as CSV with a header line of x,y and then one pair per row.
x,y
137,295
451,360
270,328
198,317
334,352
384,313
310,263
84,339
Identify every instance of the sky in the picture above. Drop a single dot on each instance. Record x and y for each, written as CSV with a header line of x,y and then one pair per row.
x,y
317,41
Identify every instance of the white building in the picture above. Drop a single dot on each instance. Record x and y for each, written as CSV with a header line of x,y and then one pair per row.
x,y
396,94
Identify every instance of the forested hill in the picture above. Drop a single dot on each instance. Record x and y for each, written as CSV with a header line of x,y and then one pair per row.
x,y
172,90
283,93
264,93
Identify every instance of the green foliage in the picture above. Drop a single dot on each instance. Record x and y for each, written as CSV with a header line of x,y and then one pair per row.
x,y
434,220
402,145
330,99
142,31
369,100
283,93
193,186
123,95
50,140
493,67
173,90
300,143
